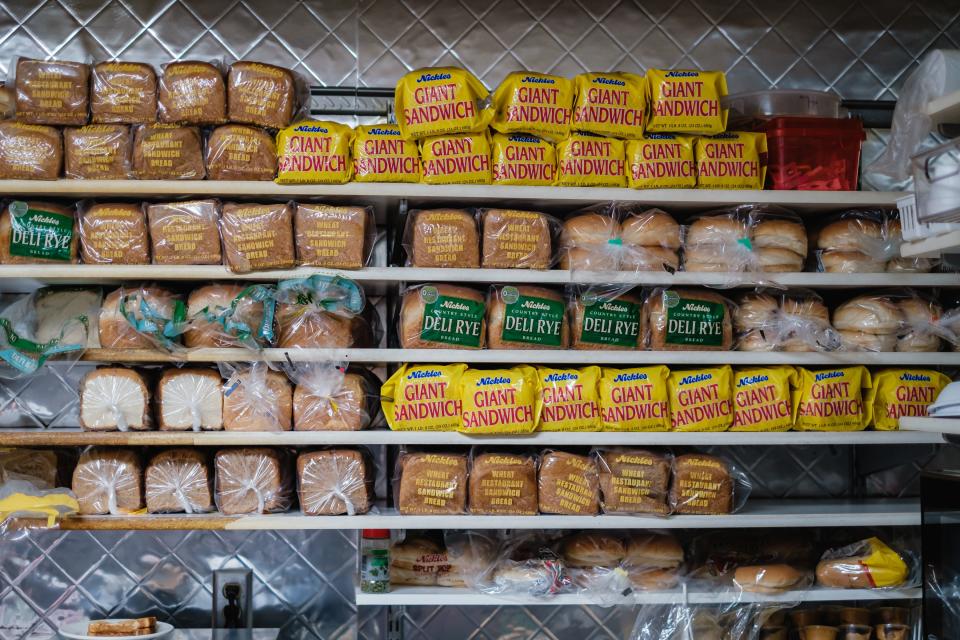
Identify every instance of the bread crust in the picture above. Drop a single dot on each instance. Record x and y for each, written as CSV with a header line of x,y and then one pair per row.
x,y
105,478
239,152
412,310
191,92
432,483
334,482
152,148
633,481
97,152
657,315
252,480
577,313
496,312
267,226
204,333
34,105
346,409
115,330
652,228
185,232
869,314
701,484
256,406
568,484
6,233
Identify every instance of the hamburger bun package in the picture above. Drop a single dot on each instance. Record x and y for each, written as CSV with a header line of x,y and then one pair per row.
x,y
584,160
701,400
634,399
314,152
380,154
833,399
520,158
456,159
569,398
661,161
423,397
898,393
535,103
610,104
500,401
685,101
438,101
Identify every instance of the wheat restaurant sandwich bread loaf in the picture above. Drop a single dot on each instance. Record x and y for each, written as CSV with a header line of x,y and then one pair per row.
x,y
633,481
192,92
432,483
252,480
190,399
258,236
443,238
335,482
331,236
238,152
179,481
516,239
442,316
568,484
38,232
114,399
503,484
261,400
52,92
29,151
260,94
701,484
185,232
97,152
526,317
123,93
168,152
108,481
114,233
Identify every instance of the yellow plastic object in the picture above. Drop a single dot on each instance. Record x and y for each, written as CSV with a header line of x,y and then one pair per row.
x,y
832,400
732,160
438,101
590,161
535,103
423,397
314,152
500,401
686,101
634,399
519,158
661,161
885,566
456,159
903,392
380,154
569,398
701,400
762,398
610,104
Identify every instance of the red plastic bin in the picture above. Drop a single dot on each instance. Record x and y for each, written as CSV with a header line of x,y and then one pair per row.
x,y
813,154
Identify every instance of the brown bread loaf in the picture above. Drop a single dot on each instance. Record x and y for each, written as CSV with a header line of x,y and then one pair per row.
x,y
179,481
335,237
108,481
192,92
442,316
115,330
607,323
38,232
114,233
261,401
444,238
114,399
253,480
432,483
417,561
526,317
515,239
190,398
213,300
503,484
343,408
123,93
52,92
167,152
701,485
633,481
260,94
334,482
688,320
97,152
185,232
258,236
29,152
568,484
310,328
238,152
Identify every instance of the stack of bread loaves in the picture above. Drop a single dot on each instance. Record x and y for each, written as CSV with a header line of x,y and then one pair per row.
x,y
868,323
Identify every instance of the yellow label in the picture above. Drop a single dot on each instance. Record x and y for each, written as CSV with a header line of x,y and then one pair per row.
x,y
701,400
500,400
423,398
610,104
762,399
534,103
732,160
439,101
661,161
380,154
569,398
832,400
634,399
884,566
523,159
459,159
903,392
314,152
686,101
590,161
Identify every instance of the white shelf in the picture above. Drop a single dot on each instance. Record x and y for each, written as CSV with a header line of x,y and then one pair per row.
x,y
932,247
945,110
441,596
950,426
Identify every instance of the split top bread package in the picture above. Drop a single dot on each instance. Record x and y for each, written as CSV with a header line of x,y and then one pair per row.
x,y
610,104
441,101
500,400
686,101
534,103
423,398
833,400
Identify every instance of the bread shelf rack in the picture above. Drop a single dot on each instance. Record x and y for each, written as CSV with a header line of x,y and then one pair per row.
x,y
412,596
932,246
942,426
945,109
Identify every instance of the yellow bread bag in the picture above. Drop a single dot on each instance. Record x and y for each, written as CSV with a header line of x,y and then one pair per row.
x,y
610,104
535,103
903,392
686,101
762,398
634,399
438,101
701,400
314,152
380,154
569,398
500,400
456,159
423,397
523,159
661,161
732,160
590,161
832,400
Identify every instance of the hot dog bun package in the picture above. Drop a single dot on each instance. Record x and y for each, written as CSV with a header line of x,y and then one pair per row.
x,y
520,158
763,398
833,400
903,392
438,101
661,161
570,399
534,103
314,152
634,399
500,401
610,104
685,101
456,159
701,399
423,398
865,564
584,160
732,160
380,154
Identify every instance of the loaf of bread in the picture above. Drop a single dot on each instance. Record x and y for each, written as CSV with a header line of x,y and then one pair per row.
x,y
334,482
190,398
114,233
238,152
52,92
701,484
417,561
442,316
114,399
185,232
334,237
633,481
443,238
261,400
38,232
218,315
108,481
29,151
257,236
587,243
526,317
568,484
253,480
688,319
260,94
97,152
179,481
192,92
168,152
123,93
331,403
38,466
503,484
516,239
307,327
432,483
115,329
66,315
8,104
607,322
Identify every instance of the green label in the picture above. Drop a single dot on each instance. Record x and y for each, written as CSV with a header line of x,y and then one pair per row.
x,y
695,322
375,565
531,319
450,320
610,322
36,233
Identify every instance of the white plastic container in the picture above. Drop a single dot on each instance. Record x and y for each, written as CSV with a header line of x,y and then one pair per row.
x,y
936,179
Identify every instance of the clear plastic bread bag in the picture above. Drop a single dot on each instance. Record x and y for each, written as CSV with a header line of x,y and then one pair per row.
x,y
633,480
35,81
108,481
702,484
255,398
867,564
769,320
470,559
328,397
594,562
514,239
528,566
179,481
442,316
614,238
446,238
894,320
334,236
926,327
231,316
678,319
335,481
192,92
143,316
321,312
113,233
251,480
29,496
502,482
430,482
417,559
860,241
